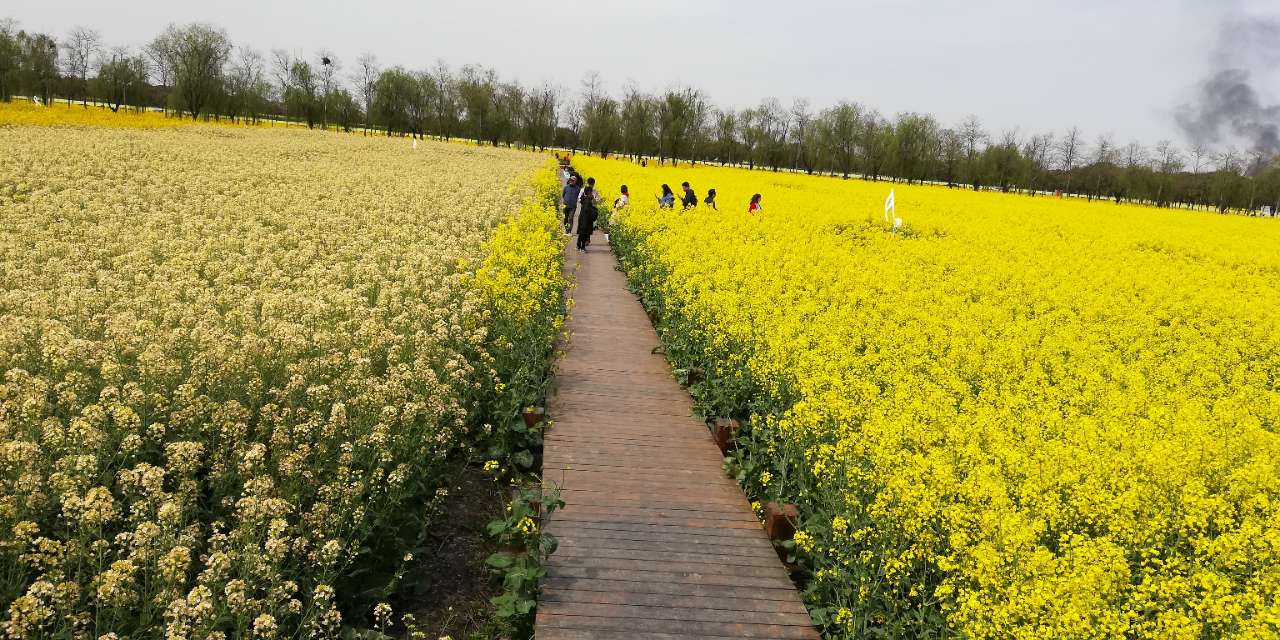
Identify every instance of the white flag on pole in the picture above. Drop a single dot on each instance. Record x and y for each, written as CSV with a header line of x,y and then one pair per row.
x,y
889,206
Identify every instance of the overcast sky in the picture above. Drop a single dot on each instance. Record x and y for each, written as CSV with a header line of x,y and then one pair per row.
x,y
1110,66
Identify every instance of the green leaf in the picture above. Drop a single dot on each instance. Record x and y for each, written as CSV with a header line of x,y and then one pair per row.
x,y
500,560
549,544
820,616
526,605
506,605
524,459
496,527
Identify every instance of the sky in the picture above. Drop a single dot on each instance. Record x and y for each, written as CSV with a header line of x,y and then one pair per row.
x,y
1115,67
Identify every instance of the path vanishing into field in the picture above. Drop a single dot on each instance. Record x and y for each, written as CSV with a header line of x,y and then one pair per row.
x,y
656,543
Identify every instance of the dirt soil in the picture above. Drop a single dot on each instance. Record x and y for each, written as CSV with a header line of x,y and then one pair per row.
x,y
451,591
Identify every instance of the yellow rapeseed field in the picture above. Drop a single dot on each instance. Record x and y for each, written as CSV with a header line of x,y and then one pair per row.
x,y
1016,417
23,112
235,362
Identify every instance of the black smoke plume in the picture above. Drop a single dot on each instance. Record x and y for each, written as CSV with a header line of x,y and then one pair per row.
x,y
1228,105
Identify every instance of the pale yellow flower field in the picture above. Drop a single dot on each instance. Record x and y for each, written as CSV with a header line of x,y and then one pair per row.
x,y
235,360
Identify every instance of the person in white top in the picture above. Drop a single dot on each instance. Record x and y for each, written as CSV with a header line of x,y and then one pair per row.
x,y
623,200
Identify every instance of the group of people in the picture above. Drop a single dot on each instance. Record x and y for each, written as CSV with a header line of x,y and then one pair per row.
x,y
582,205
689,199
581,201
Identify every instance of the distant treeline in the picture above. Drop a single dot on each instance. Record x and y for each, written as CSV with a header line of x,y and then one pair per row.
x,y
195,71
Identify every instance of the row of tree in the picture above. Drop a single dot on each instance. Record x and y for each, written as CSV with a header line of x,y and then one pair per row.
x,y
196,71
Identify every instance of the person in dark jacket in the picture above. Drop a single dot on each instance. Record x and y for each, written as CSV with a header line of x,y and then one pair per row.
x,y
570,200
586,218
690,199
711,199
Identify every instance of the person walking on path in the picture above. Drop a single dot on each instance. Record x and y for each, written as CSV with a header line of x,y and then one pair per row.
x,y
595,200
668,198
570,200
586,217
711,199
755,207
690,199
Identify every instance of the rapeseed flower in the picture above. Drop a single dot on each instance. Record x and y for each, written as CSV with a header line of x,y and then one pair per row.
x,y
1058,416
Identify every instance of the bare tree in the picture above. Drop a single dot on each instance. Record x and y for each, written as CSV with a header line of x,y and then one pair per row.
x,y
540,115
120,75
951,153
160,53
281,60
1135,155
774,121
246,88
598,114
447,100
81,45
1167,161
639,113
298,86
1228,160
1104,155
801,128
1199,151
972,135
1167,157
1069,149
195,55
726,136
10,59
1256,161
1036,151
572,118
328,82
365,78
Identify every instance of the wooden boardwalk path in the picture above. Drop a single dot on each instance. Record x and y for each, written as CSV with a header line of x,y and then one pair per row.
x,y
655,542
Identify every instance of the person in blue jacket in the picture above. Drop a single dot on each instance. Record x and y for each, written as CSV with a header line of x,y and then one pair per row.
x,y
668,198
570,200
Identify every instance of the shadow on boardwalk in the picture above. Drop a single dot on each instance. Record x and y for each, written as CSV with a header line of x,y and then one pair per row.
x,y
655,541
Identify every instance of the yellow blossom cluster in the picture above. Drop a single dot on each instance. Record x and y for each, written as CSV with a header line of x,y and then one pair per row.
x,y
24,112
235,360
1014,416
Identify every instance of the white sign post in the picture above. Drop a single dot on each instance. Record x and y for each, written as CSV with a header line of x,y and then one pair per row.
x,y
890,207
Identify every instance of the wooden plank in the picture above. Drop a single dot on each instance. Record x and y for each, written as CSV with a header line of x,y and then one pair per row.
x,y
624,540
693,570
596,480
682,590
721,602
570,515
693,628
561,633
590,497
603,550
672,532
675,610
662,513
655,542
